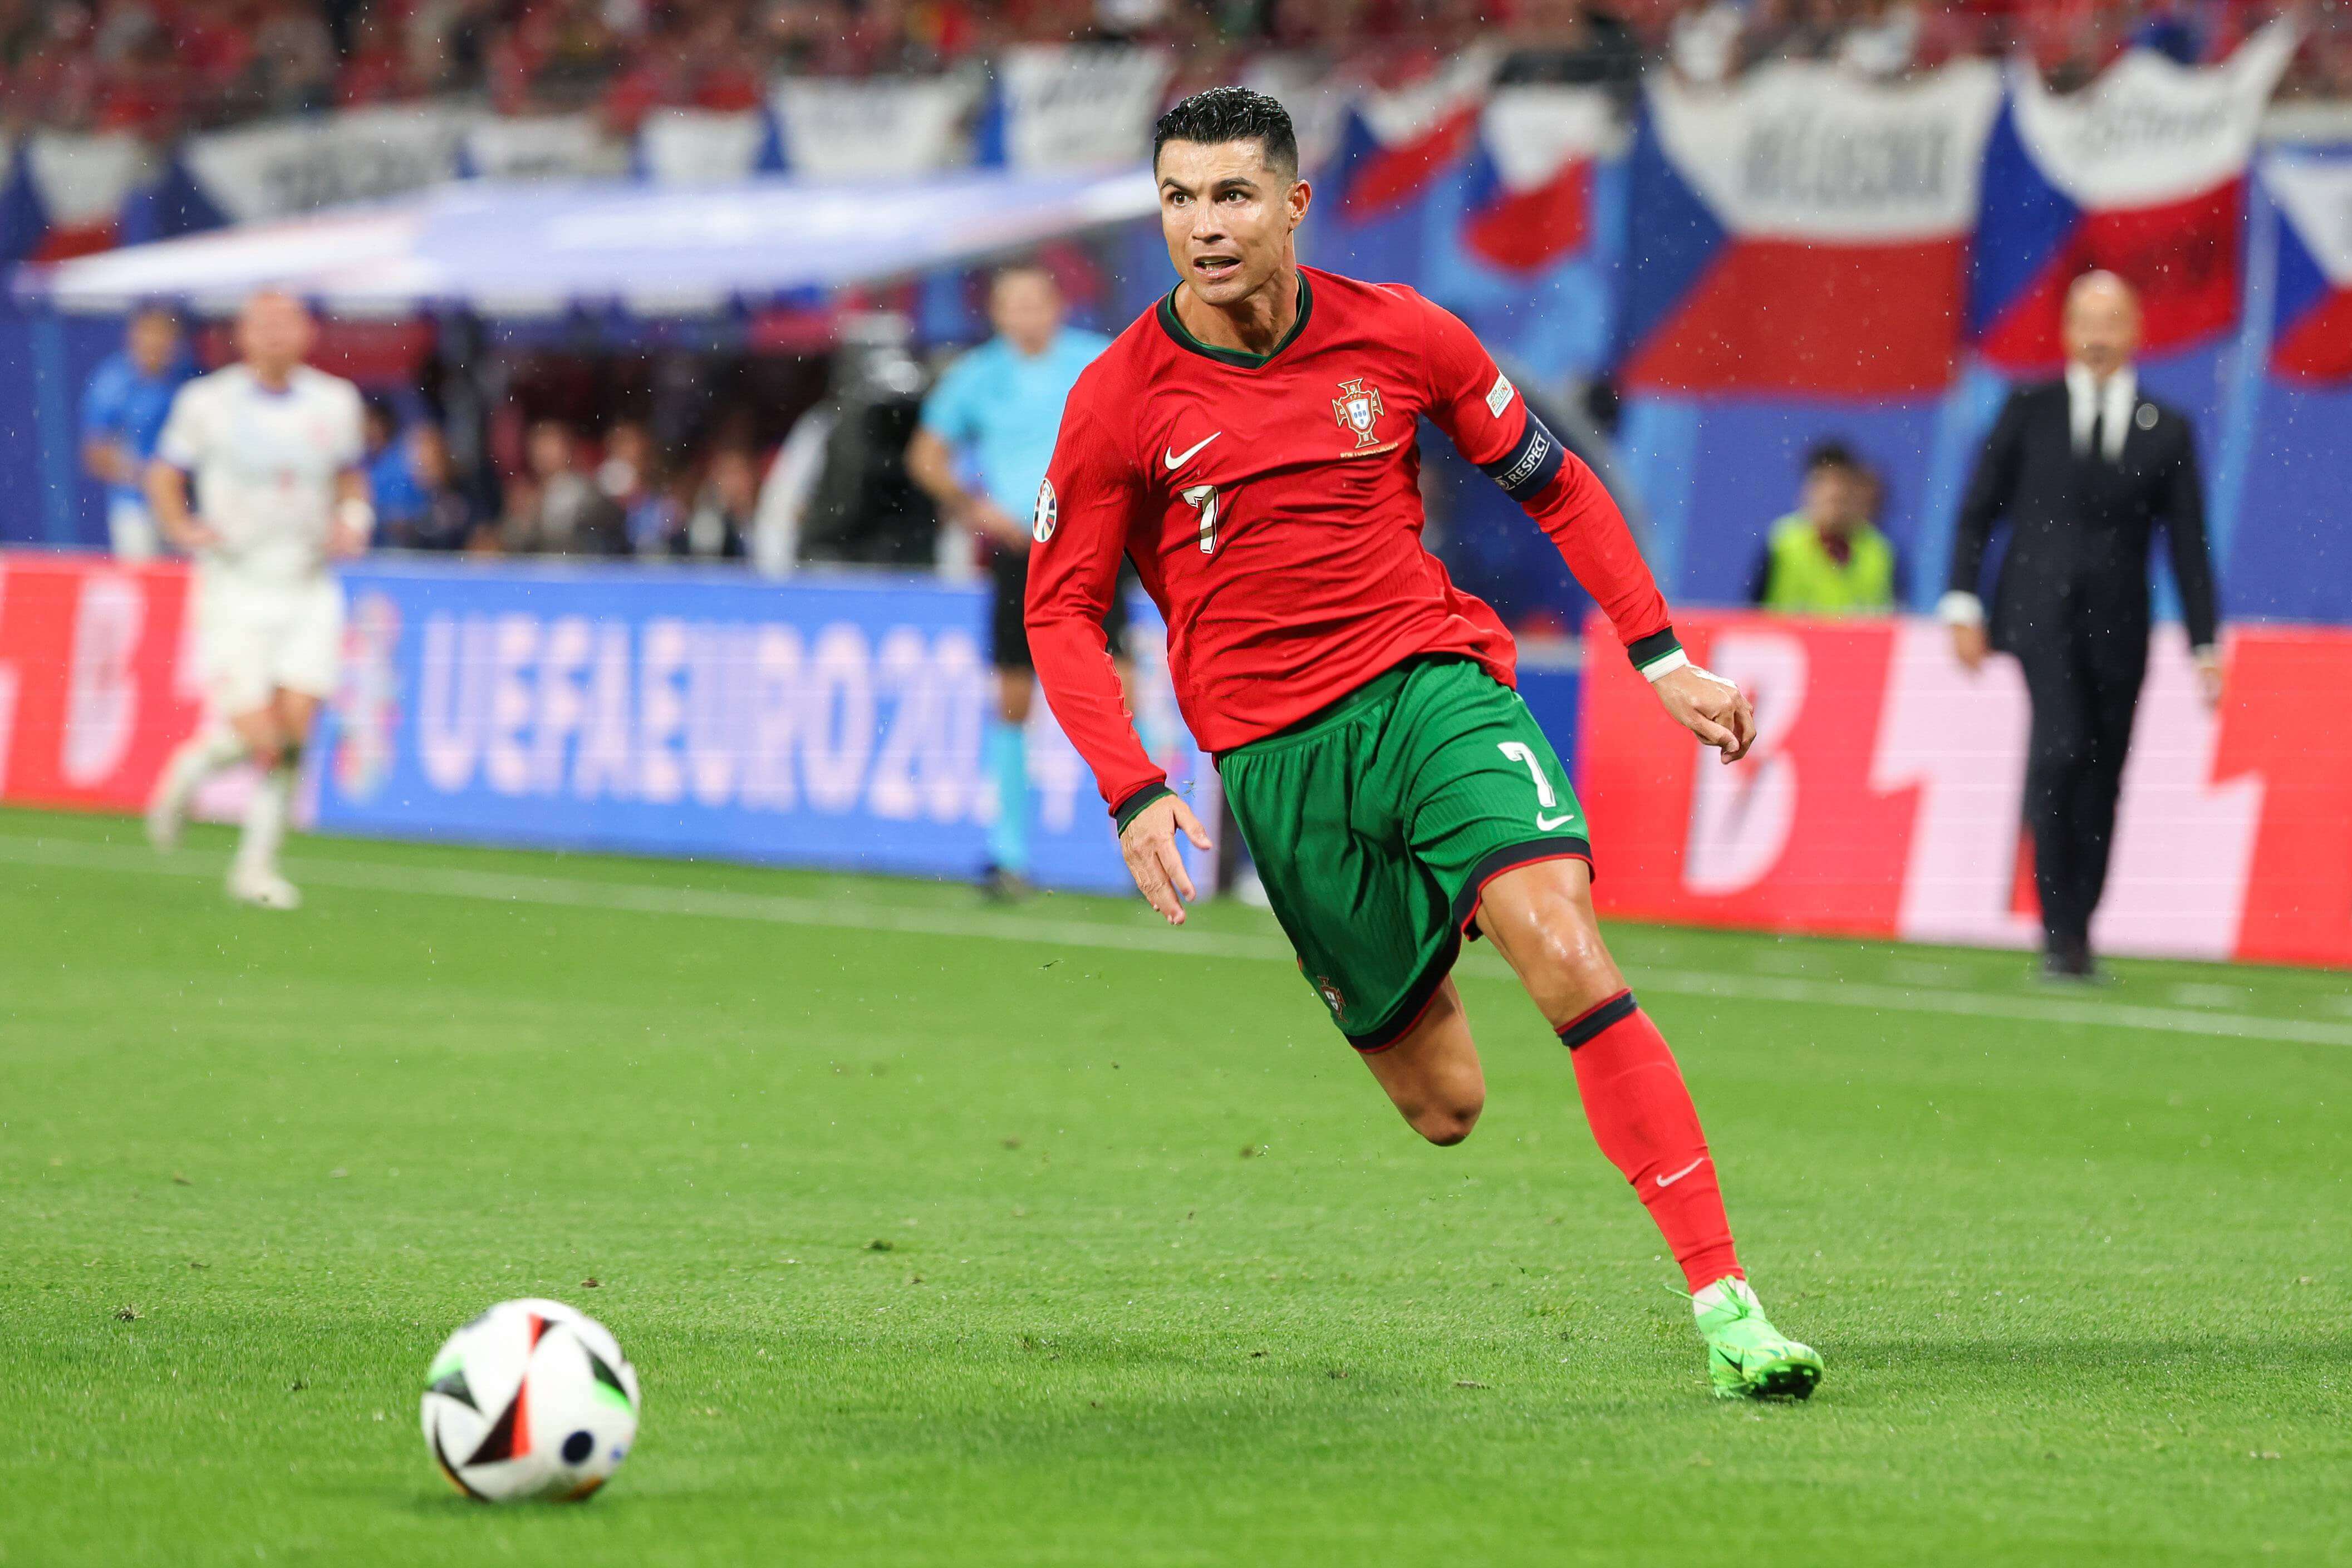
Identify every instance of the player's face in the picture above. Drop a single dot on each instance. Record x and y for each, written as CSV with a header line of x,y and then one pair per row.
x,y
2100,327
274,333
1027,308
1226,216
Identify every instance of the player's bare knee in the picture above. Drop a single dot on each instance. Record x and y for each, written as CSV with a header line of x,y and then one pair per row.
x,y
1449,1123
1564,964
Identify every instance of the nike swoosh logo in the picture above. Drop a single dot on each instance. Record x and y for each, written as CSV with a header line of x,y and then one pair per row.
x,y
1549,824
1670,1180
1176,460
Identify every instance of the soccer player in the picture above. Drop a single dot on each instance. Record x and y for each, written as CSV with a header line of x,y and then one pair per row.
x,y
275,449
1002,402
1249,443
122,413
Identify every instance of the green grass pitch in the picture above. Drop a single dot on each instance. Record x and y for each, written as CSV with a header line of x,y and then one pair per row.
x,y
944,1237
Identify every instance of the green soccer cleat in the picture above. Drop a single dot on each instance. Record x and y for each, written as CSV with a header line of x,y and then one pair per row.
x,y
1747,1357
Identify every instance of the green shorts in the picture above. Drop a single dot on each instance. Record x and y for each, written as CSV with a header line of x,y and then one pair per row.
x,y
1377,823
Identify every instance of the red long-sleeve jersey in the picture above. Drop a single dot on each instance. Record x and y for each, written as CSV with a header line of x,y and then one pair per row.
x,y
1272,506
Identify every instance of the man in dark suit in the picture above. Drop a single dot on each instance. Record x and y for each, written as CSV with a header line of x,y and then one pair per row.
x,y
2083,470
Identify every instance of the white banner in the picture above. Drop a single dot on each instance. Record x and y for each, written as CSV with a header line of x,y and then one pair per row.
x,y
84,180
701,146
2151,131
1808,152
1534,133
298,166
1402,114
844,130
543,147
1078,106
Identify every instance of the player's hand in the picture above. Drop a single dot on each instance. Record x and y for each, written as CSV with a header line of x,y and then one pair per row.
x,y
1153,858
1710,707
985,517
2209,677
344,541
195,535
1969,645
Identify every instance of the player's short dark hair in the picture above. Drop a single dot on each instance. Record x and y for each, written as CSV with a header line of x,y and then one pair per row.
x,y
1231,114
1834,455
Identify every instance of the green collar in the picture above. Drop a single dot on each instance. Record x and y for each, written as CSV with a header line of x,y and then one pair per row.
x,y
1239,359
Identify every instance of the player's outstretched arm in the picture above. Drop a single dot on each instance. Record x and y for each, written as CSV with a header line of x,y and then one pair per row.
x,y
1492,425
1153,858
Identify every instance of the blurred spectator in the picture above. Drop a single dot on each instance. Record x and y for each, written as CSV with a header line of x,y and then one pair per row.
x,y
720,522
1883,40
160,66
1571,42
123,413
558,509
628,478
379,68
1827,557
1704,45
445,520
391,477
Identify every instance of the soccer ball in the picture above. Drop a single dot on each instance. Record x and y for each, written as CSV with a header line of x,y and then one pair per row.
x,y
531,1400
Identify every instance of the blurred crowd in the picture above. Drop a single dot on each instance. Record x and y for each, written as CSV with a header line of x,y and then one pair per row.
x,y
162,67
769,460
610,494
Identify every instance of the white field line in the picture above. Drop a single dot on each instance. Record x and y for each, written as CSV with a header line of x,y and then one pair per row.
x,y
781,909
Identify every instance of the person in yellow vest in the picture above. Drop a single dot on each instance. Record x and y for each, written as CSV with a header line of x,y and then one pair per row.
x,y
1826,558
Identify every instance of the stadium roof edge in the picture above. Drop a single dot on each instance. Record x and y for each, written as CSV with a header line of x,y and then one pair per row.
x,y
542,249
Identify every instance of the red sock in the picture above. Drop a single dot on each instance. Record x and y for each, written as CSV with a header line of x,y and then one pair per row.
x,y
1643,1118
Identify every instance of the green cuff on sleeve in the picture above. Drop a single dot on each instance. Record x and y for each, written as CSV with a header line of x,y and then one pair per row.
x,y
1127,810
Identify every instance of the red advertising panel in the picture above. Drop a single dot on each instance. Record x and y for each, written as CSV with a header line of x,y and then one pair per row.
x,y
94,689
1886,793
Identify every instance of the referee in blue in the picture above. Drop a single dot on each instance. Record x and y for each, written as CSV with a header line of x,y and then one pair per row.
x,y
994,415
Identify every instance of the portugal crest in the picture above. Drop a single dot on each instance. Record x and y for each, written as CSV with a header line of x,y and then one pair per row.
x,y
1358,408
1331,997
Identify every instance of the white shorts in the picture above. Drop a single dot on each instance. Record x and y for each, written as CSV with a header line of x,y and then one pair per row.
x,y
251,640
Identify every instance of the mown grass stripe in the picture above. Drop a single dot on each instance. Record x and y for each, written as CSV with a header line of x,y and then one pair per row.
x,y
785,909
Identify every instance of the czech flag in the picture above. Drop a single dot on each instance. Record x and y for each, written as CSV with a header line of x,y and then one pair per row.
x,y
64,194
1528,202
2141,173
1803,232
1398,150
2311,333
1526,252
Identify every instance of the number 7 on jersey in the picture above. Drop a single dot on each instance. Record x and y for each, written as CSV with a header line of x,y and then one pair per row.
x,y
1204,496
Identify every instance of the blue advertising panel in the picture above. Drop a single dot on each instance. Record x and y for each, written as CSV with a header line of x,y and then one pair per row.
x,y
828,722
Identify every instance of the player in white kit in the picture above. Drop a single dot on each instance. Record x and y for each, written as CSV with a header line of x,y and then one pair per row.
x,y
274,447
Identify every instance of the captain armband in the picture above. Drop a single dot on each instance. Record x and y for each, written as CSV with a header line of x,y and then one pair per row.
x,y
1528,468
